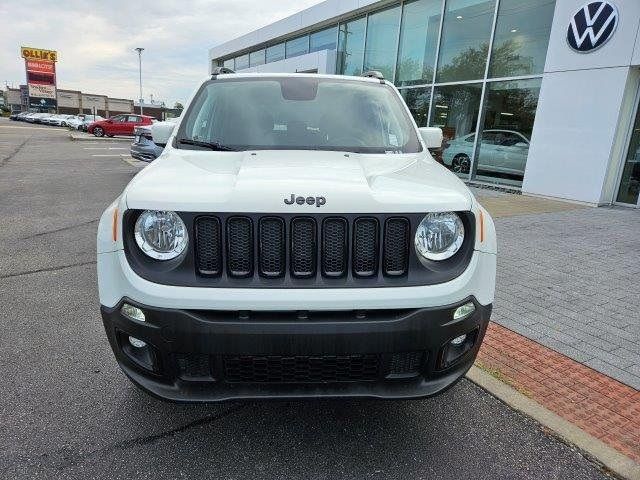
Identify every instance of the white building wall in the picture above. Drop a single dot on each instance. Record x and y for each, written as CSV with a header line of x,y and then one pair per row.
x,y
583,110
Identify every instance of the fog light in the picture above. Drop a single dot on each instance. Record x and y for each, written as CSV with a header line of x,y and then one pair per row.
x,y
136,342
132,312
464,311
456,341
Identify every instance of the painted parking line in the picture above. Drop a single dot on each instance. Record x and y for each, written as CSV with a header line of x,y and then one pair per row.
x,y
105,148
109,155
33,128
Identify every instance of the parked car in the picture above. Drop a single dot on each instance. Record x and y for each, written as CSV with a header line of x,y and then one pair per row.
x,y
118,125
144,147
61,120
295,239
82,121
36,117
18,116
503,151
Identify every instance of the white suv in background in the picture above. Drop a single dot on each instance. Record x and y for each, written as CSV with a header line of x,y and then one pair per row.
x,y
295,238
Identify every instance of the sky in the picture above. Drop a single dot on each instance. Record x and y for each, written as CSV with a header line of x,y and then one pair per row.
x,y
95,40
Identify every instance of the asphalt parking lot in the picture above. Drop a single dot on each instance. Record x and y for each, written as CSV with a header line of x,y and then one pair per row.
x,y
68,412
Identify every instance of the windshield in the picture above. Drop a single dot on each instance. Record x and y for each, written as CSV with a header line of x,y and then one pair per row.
x,y
298,113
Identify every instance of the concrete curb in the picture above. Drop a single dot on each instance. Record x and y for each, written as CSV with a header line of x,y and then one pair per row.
x,y
82,138
610,458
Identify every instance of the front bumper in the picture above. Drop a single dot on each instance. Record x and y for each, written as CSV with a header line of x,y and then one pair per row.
x,y
213,355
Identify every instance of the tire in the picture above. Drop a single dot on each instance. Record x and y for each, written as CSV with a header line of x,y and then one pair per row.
x,y
461,163
98,132
109,135
63,124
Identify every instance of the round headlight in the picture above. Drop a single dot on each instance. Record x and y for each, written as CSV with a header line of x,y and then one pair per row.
x,y
161,235
439,236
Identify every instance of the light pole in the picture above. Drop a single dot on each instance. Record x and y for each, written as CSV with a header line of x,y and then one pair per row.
x,y
140,50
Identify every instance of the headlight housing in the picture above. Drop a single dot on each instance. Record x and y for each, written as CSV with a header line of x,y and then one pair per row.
x,y
162,235
439,236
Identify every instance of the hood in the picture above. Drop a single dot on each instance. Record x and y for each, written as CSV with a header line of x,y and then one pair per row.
x,y
206,181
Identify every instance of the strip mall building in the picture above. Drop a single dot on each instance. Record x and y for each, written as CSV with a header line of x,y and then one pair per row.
x,y
538,95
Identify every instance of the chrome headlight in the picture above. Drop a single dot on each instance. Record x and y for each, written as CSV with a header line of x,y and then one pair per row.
x,y
439,236
161,235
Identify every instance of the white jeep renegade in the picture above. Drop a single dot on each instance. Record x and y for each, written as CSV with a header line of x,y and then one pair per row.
x,y
296,239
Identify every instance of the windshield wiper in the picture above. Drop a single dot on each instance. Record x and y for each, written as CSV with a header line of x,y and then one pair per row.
x,y
209,145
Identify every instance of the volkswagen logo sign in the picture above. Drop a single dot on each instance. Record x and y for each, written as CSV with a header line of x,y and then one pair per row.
x,y
592,26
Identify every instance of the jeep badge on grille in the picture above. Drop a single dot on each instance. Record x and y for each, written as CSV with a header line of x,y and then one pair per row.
x,y
317,201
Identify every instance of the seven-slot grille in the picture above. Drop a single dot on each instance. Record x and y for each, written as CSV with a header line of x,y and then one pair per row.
x,y
301,247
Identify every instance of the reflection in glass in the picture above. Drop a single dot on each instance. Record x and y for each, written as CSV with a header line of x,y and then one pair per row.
x,y
417,99
275,53
242,62
351,47
465,40
382,36
455,110
630,181
256,58
230,63
522,36
509,113
323,40
297,46
418,42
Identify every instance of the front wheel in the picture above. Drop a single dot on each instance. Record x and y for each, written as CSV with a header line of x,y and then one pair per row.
x,y
98,132
461,163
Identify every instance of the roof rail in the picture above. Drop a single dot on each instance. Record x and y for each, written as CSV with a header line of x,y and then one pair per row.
x,y
220,71
374,74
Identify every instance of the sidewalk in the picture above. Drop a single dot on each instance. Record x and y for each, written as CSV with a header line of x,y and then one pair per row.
x,y
565,329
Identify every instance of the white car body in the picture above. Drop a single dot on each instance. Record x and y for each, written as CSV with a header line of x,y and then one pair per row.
x,y
257,181
502,151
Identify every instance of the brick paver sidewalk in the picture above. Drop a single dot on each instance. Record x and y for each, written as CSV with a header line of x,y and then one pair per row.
x,y
599,405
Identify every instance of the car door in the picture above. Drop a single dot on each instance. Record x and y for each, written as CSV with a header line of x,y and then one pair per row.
x,y
114,127
131,122
515,148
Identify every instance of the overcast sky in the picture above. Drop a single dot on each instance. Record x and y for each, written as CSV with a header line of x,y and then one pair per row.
x,y
95,40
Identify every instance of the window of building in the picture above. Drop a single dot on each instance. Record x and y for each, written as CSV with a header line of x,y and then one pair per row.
x,y
323,40
418,42
256,58
418,99
509,112
242,62
229,63
522,36
455,110
381,45
275,53
630,182
466,31
297,46
351,47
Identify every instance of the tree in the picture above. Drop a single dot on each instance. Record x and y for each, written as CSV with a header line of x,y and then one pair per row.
x,y
178,106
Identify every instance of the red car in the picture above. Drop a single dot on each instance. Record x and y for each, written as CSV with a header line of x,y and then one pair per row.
x,y
118,125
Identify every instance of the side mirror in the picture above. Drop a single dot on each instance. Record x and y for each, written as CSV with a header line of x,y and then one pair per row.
x,y
431,136
161,131
522,145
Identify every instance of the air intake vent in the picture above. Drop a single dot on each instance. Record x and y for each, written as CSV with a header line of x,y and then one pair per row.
x,y
396,247
365,247
209,246
303,247
335,249
272,247
240,246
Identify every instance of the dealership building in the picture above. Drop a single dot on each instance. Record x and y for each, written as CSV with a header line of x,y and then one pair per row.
x,y
536,95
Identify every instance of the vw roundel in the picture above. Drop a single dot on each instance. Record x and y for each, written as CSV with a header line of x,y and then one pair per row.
x,y
592,26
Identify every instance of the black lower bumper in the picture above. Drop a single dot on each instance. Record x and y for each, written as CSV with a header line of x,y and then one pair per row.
x,y
205,356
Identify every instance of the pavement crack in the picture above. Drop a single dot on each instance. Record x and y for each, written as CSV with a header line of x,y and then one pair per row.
x,y
48,269
66,458
62,229
6,159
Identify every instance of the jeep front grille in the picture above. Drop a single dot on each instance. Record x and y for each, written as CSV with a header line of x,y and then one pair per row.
x,y
301,247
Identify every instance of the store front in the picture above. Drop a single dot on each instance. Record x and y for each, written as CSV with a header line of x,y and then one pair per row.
x,y
533,95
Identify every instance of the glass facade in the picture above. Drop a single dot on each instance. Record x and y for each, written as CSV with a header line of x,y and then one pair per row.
x,y
461,65
256,58
418,42
629,190
297,46
275,53
351,47
323,40
381,45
